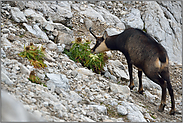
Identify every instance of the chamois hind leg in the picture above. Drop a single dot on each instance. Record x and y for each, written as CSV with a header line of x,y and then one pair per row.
x,y
131,85
165,75
154,76
140,81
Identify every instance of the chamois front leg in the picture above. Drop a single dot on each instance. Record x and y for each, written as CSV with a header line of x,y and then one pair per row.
x,y
140,81
131,85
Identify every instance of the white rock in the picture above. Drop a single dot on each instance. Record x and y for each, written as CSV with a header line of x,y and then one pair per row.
x,y
109,18
85,71
118,69
4,30
107,74
125,90
64,38
3,54
100,109
59,80
6,79
29,12
134,115
51,45
63,29
121,110
112,31
17,15
55,32
49,26
24,70
88,23
149,84
12,30
37,113
60,49
150,97
62,11
174,7
133,19
91,13
13,111
75,96
45,104
86,119
5,41
36,31
158,26
59,106
48,57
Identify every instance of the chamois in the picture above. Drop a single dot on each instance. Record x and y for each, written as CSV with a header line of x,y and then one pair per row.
x,y
141,50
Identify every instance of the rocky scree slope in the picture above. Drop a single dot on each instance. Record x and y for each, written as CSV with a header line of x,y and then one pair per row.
x,y
74,93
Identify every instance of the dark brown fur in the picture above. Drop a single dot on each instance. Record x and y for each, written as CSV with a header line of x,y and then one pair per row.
x,y
141,50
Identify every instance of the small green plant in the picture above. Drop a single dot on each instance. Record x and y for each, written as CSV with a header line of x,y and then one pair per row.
x,y
80,52
21,36
34,55
153,117
33,78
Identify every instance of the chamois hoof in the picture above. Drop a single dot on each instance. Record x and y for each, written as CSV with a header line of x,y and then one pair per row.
x,y
161,107
131,87
172,112
141,91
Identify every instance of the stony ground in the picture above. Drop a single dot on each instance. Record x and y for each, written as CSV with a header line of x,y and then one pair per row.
x,y
74,93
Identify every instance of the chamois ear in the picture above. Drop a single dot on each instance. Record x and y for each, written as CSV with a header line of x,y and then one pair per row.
x,y
105,35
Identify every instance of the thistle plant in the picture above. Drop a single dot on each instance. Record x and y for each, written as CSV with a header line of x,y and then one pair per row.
x,y
36,58
34,55
80,52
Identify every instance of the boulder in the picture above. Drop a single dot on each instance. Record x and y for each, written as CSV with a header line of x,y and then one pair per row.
x,y
17,15
36,31
109,18
64,38
6,79
98,108
116,68
165,31
134,115
13,111
124,90
59,80
60,13
133,19
122,110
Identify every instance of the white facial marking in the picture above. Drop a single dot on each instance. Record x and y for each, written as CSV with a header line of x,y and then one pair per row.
x,y
101,48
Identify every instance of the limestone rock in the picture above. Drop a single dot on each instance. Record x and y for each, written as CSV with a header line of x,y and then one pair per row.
x,y
121,110
17,15
125,90
117,68
36,31
134,115
133,19
6,79
59,80
12,110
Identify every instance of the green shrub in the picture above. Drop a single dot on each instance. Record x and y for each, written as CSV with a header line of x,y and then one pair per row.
x,y
34,55
36,58
80,52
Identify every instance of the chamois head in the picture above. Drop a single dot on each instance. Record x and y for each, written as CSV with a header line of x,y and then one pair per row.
x,y
100,45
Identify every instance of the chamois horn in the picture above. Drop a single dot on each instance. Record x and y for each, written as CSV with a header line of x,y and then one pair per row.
x,y
92,32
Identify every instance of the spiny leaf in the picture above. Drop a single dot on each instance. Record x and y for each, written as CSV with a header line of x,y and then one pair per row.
x,y
81,52
34,55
